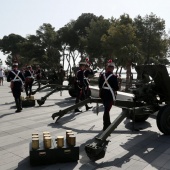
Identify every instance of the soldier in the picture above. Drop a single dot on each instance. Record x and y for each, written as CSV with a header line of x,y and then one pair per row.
x,y
61,75
88,71
38,75
17,80
29,79
108,85
80,85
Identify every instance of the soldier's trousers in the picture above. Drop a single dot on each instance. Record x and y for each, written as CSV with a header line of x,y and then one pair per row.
x,y
106,116
28,87
80,95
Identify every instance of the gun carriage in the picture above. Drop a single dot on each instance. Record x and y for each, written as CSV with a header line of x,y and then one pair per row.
x,y
151,94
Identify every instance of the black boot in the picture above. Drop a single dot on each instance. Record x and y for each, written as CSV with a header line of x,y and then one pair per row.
x,y
17,105
88,107
20,103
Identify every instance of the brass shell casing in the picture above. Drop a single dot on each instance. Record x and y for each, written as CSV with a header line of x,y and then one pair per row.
x,y
31,97
35,143
67,139
47,142
22,98
72,140
60,141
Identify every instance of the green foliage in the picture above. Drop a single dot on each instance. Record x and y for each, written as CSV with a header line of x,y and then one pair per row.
x,y
96,52
150,31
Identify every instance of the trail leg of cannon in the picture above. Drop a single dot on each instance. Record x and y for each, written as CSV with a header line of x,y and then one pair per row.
x,y
61,113
96,150
58,88
39,89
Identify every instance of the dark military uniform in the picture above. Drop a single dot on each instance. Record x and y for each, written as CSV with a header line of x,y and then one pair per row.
x,y
80,86
16,78
29,79
108,85
61,75
86,81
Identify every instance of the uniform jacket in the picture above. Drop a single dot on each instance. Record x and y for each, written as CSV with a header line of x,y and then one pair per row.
x,y
28,73
105,93
80,78
16,85
86,75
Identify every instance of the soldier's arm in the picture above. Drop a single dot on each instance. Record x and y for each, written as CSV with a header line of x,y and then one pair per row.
x,y
9,78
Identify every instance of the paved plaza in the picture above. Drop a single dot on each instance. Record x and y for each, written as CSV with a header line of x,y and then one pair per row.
x,y
146,149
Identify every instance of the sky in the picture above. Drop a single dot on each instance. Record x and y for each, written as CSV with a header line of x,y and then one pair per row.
x,y
24,17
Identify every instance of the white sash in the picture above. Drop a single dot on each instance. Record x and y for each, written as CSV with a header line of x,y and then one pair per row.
x,y
16,76
108,85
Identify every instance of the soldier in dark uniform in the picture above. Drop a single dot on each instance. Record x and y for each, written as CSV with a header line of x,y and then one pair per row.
x,y
38,76
61,75
87,72
29,79
108,85
80,85
17,80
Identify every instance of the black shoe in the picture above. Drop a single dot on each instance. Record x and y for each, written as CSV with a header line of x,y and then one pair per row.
x,y
17,111
89,107
77,110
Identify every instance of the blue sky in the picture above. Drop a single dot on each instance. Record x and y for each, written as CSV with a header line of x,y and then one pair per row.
x,y
24,17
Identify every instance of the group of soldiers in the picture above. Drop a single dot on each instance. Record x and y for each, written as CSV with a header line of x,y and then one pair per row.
x,y
108,86
21,80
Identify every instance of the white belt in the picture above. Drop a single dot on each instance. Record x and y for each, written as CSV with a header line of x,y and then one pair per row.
x,y
16,80
29,77
106,88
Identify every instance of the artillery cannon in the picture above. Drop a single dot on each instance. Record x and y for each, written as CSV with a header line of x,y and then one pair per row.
x,y
151,94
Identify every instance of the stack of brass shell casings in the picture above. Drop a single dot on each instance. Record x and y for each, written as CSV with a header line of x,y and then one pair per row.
x,y
60,141
70,138
31,97
35,141
68,131
22,98
47,140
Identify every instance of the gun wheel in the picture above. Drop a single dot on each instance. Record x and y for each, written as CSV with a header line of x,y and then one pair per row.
x,y
163,120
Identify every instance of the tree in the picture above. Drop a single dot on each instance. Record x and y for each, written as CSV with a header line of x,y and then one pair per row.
x,y
123,44
68,39
150,31
80,28
47,38
10,45
94,48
